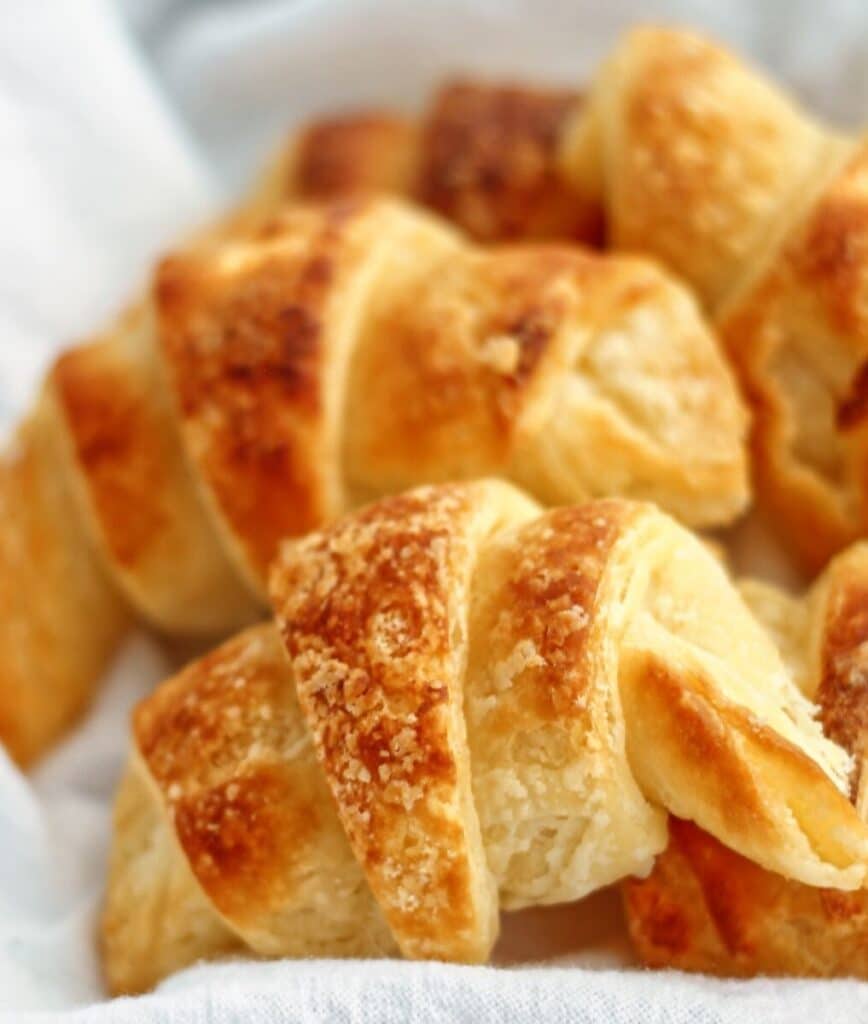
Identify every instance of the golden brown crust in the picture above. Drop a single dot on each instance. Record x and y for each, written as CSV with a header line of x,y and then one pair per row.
x,y
232,825
156,918
799,338
60,620
707,908
690,698
474,341
746,777
514,357
363,325
698,156
247,368
853,407
697,160
347,350
690,712
133,487
111,428
484,154
236,827
641,381
554,585
356,153
225,747
369,612
703,164
549,771
488,162
842,694
502,701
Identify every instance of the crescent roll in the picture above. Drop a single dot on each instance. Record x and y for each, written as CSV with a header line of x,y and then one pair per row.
x,y
705,907
683,152
483,155
476,705
346,350
700,162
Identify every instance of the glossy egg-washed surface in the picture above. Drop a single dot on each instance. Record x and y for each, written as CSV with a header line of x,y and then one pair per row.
x,y
459,717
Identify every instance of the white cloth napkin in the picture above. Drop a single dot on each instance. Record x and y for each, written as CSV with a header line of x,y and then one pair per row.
x,y
116,123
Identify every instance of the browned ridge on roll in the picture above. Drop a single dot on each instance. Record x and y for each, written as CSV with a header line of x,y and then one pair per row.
x,y
476,704
268,382
705,907
483,155
684,153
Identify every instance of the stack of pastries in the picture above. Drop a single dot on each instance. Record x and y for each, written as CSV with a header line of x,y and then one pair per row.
x,y
443,477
